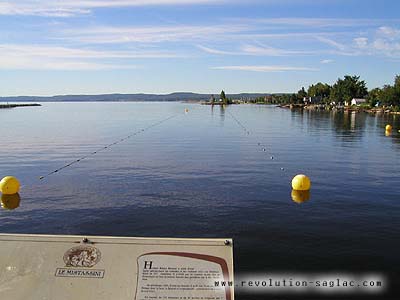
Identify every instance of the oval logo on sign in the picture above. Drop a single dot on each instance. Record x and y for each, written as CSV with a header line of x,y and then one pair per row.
x,y
82,256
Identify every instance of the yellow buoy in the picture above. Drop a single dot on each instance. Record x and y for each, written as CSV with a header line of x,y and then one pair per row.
x,y
9,185
388,127
388,133
10,201
300,196
301,183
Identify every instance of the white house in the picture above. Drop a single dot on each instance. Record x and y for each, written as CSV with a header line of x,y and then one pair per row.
x,y
358,101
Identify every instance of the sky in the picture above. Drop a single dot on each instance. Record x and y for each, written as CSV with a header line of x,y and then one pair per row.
x,y
52,47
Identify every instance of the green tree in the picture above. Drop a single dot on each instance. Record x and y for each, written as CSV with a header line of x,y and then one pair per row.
x,y
397,81
374,96
319,90
397,90
390,95
348,88
222,96
302,93
293,98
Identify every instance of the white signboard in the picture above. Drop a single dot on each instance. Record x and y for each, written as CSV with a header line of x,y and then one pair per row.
x,y
71,267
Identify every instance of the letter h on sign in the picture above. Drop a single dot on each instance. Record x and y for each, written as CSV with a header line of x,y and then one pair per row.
x,y
148,264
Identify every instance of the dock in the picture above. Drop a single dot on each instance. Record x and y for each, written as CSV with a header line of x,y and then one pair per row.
x,y
18,105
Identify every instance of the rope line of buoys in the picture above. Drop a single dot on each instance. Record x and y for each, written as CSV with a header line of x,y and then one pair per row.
x,y
107,146
239,123
263,147
301,184
9,185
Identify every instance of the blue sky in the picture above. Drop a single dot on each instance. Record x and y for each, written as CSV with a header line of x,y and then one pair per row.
x,y
50,47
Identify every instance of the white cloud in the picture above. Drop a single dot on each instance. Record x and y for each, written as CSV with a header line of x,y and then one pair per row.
x,y
385,42
388,32
124,3
57,8
342,44
270,51
39,57
386,46
37,8
312,22
64,52
332,43
150,34
361,42
216,51
264,68
327,61
340,48
255,51
32,63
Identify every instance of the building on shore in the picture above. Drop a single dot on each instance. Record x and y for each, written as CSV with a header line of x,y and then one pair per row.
x,y
312,100
357,101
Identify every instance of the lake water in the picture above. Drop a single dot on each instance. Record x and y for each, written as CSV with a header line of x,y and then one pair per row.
x,y
200,174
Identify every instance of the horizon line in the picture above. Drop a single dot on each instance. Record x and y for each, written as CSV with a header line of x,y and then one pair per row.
x,y
143,93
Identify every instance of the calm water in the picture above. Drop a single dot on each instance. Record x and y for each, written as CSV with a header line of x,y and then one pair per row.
x,y
201,175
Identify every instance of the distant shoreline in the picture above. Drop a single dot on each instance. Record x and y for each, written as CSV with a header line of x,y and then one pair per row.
x,y
173,97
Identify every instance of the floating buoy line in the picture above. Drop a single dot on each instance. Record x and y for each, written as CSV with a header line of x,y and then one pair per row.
x,y
109,145
239,123
301,184
9,186
262,146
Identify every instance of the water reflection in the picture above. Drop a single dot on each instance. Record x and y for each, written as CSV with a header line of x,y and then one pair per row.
x,y
351,129
300,196
349,125
10,202
222,114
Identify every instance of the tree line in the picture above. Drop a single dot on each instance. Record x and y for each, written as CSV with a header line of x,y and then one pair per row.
x,y
343,90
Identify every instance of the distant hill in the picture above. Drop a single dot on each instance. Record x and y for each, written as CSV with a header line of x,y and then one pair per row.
x,y
180,96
